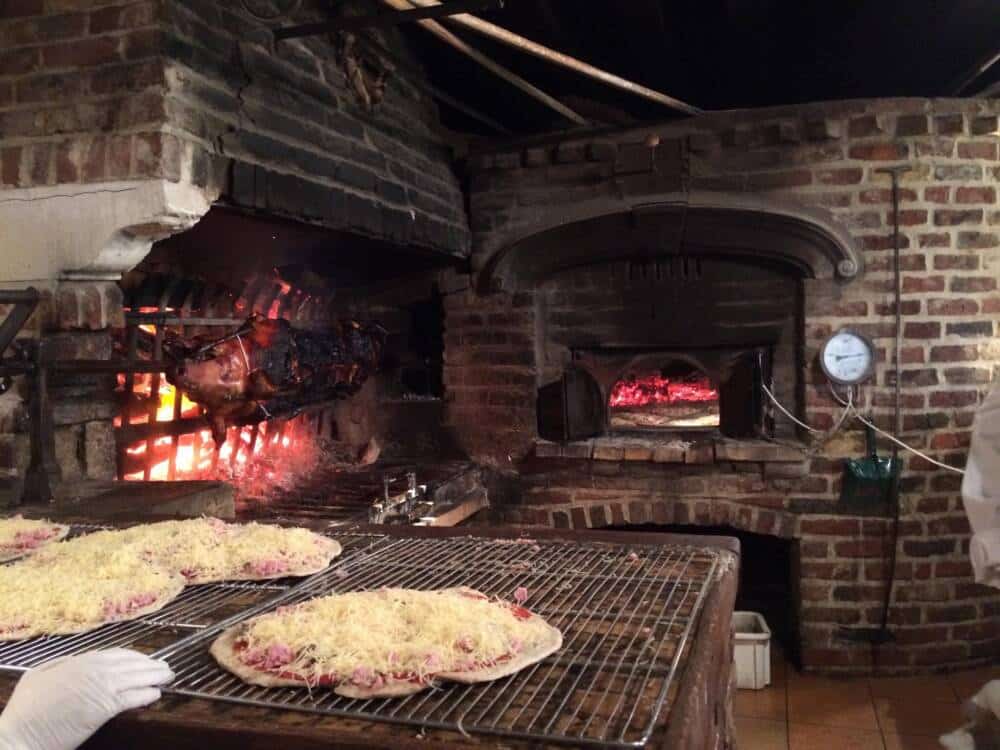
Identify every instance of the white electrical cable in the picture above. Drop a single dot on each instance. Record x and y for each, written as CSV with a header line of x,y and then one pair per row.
x,y
786,412
850,408
901,444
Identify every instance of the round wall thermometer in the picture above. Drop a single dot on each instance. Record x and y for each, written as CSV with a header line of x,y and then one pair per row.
x,y
847,358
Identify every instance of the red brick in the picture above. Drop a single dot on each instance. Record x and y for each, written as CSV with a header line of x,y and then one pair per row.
x,y
952,307
922,330
119,156
973,284
911,125
941,655
907,307
970,328
978,150
67,158
21,8
935,240
936,147
976,194
859,548
810,550
978,632
18,61
832,526
886,151
951,613
10,165
777,180
954,353
949,124
912,284
848,176
914,636
978,240
937,194
93,168
947,441
956,262
145,43
911,217
928,547
944,217
836,615
40,159
953,399
967,375
991,305
912,355
81,53
884,195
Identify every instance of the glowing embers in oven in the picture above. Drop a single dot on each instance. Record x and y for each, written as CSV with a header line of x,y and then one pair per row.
x,y
678,396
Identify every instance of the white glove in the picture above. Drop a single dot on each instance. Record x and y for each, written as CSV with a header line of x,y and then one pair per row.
x,y
59,705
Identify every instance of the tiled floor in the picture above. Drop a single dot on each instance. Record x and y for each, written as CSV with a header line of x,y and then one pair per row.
x,y
804,712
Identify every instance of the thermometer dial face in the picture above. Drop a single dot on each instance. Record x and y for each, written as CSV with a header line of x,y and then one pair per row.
x,y
847,358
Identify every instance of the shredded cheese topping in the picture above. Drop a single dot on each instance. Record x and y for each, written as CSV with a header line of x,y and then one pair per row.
x,y
16,531
74,594
208,549
368,637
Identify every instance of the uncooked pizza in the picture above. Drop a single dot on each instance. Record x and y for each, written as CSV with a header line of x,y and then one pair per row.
x,y
388,642
208,549
21,536
80,593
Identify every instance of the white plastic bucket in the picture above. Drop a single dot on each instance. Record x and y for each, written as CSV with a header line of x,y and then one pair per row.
x,y
752,652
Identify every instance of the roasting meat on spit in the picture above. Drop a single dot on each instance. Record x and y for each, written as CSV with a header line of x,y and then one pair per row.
x,y
267,368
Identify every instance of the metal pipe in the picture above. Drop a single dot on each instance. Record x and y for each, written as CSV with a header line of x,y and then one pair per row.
x,y
382,20
553,56
512,78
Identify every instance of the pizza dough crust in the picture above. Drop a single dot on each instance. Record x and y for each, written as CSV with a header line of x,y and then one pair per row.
x,y
62,531
223,649
331,550
165,597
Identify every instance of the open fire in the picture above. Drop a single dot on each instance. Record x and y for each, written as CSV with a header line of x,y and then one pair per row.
x,y
652,400
252,452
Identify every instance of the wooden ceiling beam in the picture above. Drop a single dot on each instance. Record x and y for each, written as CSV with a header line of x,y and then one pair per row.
x,y
558,58
512,78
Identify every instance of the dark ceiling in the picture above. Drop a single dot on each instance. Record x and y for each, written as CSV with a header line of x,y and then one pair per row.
x,y
716,54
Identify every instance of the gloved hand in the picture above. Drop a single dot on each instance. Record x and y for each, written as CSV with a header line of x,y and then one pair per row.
x,y
60,704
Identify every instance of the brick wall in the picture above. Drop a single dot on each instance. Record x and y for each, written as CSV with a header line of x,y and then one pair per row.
x,y
174,89
824,157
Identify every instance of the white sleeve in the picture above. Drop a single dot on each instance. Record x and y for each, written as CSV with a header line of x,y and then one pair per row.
x,y
981,491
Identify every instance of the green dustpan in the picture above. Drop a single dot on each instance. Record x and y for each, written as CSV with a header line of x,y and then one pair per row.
x,y
868,482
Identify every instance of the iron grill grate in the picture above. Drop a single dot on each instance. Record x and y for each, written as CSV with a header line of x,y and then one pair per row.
x,y
198,608
626,613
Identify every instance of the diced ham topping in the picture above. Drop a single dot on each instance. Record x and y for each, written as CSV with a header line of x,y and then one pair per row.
x,y
266,567
520,595
128,606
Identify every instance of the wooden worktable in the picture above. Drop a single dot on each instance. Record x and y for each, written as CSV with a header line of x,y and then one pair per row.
x,y
698,719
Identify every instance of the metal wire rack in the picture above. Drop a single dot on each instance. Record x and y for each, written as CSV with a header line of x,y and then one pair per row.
x,y
196,609
626,614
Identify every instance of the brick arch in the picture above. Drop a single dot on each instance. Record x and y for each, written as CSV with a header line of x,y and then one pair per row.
x,y
700,511
703,223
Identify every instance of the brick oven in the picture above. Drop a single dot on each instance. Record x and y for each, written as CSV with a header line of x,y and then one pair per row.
x,y
588,320
719,253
